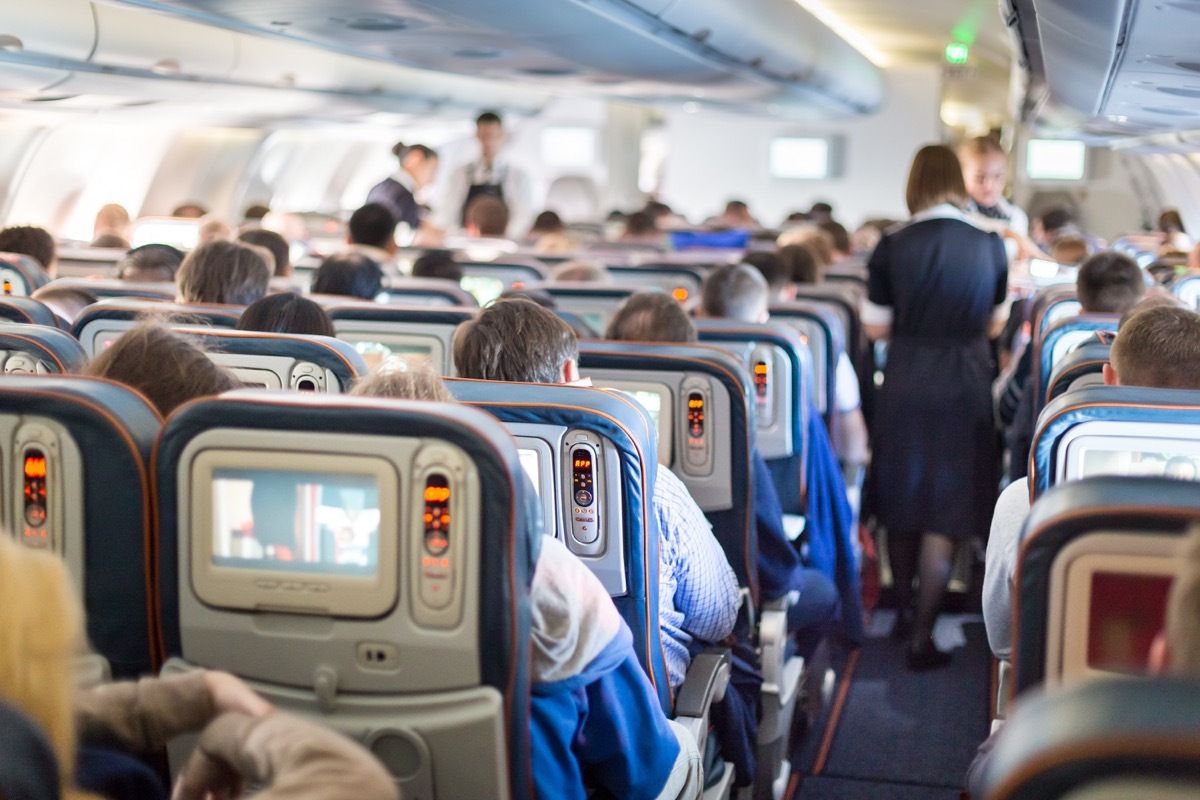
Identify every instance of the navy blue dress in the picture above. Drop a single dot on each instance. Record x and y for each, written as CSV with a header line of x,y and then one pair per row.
x,y
935,461
398,199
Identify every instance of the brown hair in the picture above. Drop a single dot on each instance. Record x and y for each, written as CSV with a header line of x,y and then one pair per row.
x,y
514,340
167,367
981,146
286,312
801,263
273,242
418,382
223,272
1159,347
28,240
651,317
1069,250
936,177
1109,283
489,215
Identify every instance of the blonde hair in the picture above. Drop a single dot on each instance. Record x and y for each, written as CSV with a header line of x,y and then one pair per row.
x,y
981,146
40,633
1183,611
936,177
418,382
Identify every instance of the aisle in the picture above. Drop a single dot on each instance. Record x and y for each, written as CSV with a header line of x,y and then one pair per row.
x,y
900,735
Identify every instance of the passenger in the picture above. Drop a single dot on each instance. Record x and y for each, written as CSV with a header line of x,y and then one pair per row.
x,y
371,232
801,263
491,175
815,239
487,218
276,244
190,211
286,312
580,272
641,229
215,229
865,237
518,340
1107,283
150,263
418,165
110,241
820,212
223,272
37,243
657,317
67,302
112,220
840,238
245,739
736,216
167,367
594,714
776,271
985,172
350,274
549,235
1157,347
1172,237
546,222
254,215
437,264
1051,224
934,287
1069,250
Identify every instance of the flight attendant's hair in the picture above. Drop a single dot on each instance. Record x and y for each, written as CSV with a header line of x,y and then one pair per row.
x,y
981,146
936,177
402,151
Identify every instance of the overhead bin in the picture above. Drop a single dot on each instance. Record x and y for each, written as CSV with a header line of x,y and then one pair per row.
x,y
60,28
161,43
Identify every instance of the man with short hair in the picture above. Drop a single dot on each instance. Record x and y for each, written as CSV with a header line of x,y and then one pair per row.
x,y
487,218
276,244
32,241
518,340
223,272
371,232
735,291
1158,347
491,175
150,263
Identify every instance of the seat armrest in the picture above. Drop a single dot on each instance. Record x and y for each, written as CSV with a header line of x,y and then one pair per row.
x,y
705,684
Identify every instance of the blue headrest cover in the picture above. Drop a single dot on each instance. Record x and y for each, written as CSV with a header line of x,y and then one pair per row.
x,y
324,351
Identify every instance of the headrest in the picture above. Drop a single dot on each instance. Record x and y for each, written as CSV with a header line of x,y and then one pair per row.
x,y
48,349
29,273
508,269
1042,314
435,291
324,351
583,289
1101,403
1083,360
104,288
1058,741
26,310
400,314
127,309
1133,505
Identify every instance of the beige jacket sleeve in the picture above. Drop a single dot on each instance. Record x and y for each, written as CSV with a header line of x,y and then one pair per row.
x,y
289,757
144,715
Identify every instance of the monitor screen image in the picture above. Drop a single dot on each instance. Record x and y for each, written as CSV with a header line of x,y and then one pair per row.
x,y
1111,461
657,399
300,522
376,353
1126,614
484,288
532,465
652,402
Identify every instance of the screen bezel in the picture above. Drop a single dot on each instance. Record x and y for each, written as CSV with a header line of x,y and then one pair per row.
x,y
434,344
1125,437
239,589
666,412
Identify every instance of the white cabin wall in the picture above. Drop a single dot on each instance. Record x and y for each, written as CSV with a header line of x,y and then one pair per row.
x,y
714,157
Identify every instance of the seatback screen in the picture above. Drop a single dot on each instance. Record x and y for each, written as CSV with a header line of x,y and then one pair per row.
x,y
484,288
376,353
306,522
531,463
1126,614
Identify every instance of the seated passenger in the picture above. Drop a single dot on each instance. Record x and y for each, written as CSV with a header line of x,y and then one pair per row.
x,y
550,235
800,263
150,263
518,340
42,628
167,367
1107,283
590,695
223,272
351,274
286,312
112,225
37,243
1157,347
66,302
839,237
189,210
487,218
736,216
580,271
815,239
437,264
372,232
640,228
215,229
1070,250
273,242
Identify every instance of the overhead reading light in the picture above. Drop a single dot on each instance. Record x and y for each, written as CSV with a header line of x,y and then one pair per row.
x,y
852,37
11,44
166,66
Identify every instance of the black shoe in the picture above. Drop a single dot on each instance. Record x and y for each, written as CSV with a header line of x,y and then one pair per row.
x,y
926,656
902,628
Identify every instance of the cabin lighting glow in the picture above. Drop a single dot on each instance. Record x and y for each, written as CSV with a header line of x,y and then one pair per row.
x,y
851,36
799,158
1055,160
957,53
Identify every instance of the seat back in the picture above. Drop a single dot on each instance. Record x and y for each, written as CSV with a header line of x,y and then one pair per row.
x,y
1116,430
1101,741
26,310
681,281
699,398
21,275
1187,289
104,288
39,350
596,462
820,328
1058,340
319,364
363,562
1052,305
101,324
84,262
782,369
1083,366
412,332
427,292
487,280
1096,560
844,302
77,454
595,303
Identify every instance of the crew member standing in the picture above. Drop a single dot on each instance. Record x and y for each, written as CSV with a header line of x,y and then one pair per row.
x,y
490,175
418,165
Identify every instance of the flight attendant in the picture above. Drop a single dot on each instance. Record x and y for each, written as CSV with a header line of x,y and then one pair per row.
x,y
934,286
488,176
985,172
418,165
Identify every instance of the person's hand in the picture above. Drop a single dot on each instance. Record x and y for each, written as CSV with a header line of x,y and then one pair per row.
x,y
230,693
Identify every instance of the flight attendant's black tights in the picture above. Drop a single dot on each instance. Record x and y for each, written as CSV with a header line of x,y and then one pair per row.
x,y
933,553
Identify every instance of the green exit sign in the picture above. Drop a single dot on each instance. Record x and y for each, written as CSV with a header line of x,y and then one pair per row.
x,y
957,53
